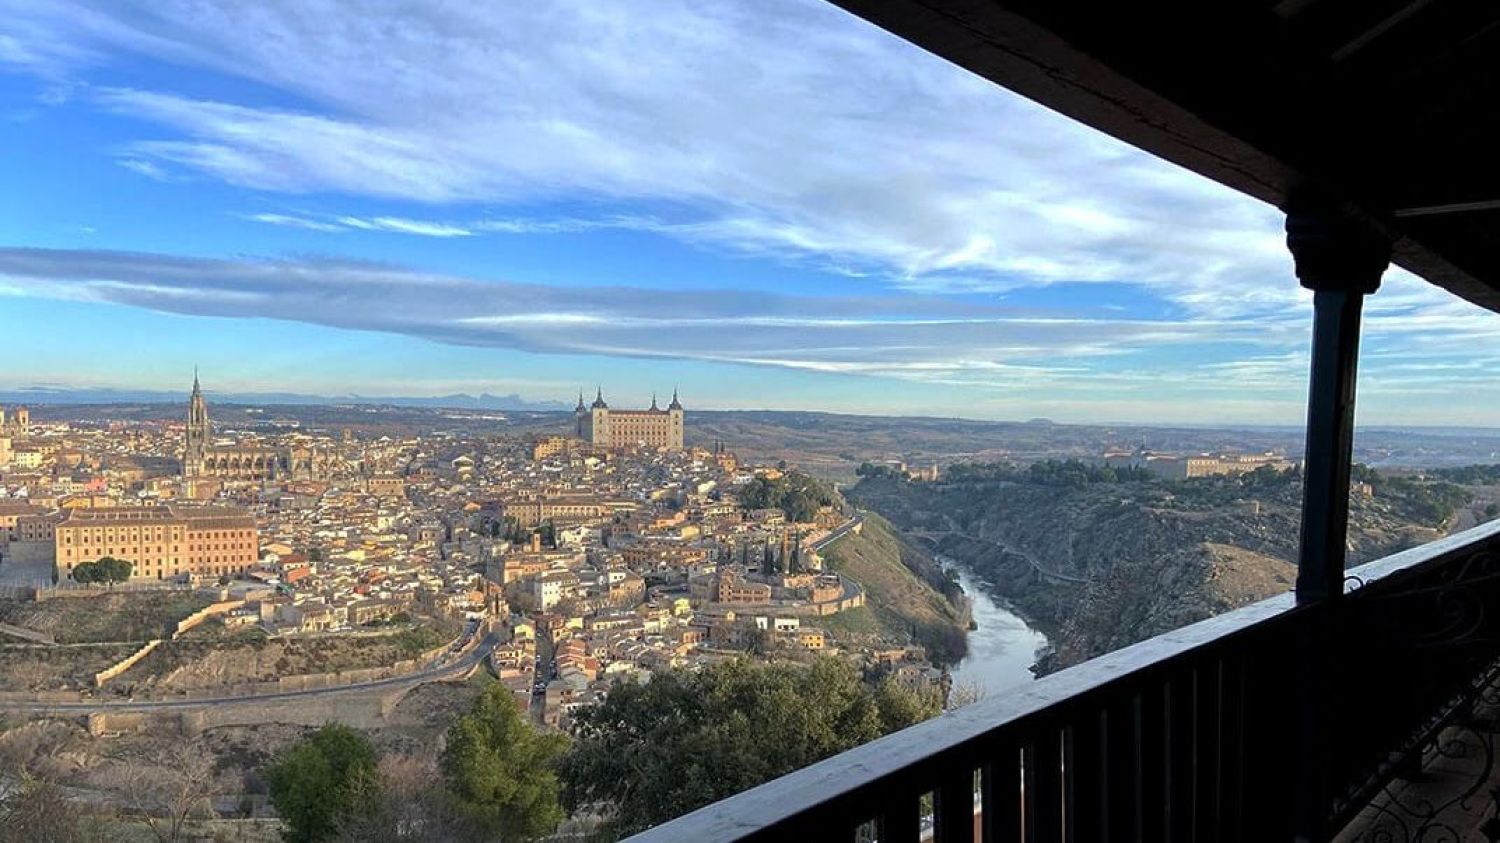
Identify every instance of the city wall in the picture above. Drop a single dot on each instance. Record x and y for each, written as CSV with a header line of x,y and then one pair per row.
x,y
71,589
362,710
125,664
204,614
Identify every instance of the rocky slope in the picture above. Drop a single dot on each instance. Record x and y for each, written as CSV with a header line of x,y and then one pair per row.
x,y
908,599
1101,565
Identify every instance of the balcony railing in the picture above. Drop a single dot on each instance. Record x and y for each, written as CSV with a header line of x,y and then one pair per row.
x,y
1255,725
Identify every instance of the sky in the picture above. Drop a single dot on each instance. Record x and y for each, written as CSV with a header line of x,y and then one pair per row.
x,y
763,203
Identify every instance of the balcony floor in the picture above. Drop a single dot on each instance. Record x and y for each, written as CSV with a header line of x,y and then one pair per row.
x,y
1456,797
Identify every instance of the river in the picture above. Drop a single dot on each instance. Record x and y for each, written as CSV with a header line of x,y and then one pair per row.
x,y
1002,648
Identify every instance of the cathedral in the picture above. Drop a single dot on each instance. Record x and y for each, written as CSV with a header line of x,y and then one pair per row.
x,y
652,428
18,425
252,463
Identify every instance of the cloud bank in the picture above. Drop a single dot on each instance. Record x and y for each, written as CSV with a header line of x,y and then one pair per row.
x,y
913,337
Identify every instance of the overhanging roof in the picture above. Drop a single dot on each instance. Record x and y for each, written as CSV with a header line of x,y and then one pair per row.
x,y
1388,108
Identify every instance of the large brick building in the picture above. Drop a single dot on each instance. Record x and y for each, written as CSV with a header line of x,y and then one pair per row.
x,y
160,541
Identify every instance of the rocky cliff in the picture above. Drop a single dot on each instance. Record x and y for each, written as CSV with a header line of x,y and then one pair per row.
x,y
1100,565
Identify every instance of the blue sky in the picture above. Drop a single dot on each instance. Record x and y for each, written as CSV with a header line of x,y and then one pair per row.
x,y
768,203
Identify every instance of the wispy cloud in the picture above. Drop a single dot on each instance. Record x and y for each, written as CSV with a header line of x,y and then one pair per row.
x,y
918,338
908,337
399,225
294,222
780,127
145,168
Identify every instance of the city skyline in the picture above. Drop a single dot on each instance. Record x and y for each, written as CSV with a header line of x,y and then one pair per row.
x,y
743,200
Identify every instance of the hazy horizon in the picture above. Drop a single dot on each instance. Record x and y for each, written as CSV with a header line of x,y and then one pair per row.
x,y
47,397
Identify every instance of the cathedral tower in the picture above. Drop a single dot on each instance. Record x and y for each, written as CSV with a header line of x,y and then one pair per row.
x,y
195,450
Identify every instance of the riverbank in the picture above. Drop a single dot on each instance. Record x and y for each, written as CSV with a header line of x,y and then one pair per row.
x,y
1004,646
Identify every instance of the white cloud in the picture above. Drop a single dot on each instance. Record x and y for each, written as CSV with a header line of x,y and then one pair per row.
x,y
426,229
399,225
776,126
145,168
294,222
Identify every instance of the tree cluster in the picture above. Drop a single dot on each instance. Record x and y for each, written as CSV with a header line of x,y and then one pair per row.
x,y
1071,473
106,570
1470,475
797,495
652,752
496,779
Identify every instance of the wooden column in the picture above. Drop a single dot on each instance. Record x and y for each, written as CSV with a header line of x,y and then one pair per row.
x,y
1341,262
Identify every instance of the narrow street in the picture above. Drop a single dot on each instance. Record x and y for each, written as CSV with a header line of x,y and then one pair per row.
x,y
544,655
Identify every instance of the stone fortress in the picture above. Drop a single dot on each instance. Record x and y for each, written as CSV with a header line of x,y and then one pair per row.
x,y
652,428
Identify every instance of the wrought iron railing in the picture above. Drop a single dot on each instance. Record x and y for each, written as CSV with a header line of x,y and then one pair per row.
x,y
1270,722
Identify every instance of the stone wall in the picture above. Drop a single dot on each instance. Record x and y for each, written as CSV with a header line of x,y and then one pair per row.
x,y
318,681
204,614
125,664
72,589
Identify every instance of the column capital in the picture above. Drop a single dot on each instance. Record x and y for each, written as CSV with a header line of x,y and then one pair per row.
x,y
1334,252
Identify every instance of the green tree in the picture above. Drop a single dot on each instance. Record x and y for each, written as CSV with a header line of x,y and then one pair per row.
x,y
652,752
86,572
112,570
502,770
321,781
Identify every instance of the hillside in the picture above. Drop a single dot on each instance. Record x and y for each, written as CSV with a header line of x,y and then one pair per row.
x,y
902,597
1098,565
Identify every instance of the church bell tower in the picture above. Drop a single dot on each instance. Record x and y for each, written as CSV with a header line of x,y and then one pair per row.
x,y
195,450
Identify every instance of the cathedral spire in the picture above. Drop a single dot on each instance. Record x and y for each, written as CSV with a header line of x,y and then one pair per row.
x,y
579,408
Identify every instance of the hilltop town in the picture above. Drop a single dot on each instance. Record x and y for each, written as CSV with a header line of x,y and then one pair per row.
x,y
266,557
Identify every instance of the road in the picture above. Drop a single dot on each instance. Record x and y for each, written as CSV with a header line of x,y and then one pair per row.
x,y
837,533
936,538
439,671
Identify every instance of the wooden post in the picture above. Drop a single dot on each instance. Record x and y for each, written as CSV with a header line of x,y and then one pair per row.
x,y
1341,261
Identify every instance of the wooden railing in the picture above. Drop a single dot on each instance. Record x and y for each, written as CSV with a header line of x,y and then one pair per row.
x,y
1271,722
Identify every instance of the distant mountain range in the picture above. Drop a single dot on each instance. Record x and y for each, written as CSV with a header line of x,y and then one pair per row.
x,y
460,401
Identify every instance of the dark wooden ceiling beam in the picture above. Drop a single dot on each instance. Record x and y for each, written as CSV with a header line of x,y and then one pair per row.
x,y
1244,93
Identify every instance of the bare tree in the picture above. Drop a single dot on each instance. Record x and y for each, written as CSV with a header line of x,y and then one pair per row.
x,y
412,807
34,809
168,789
965,692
